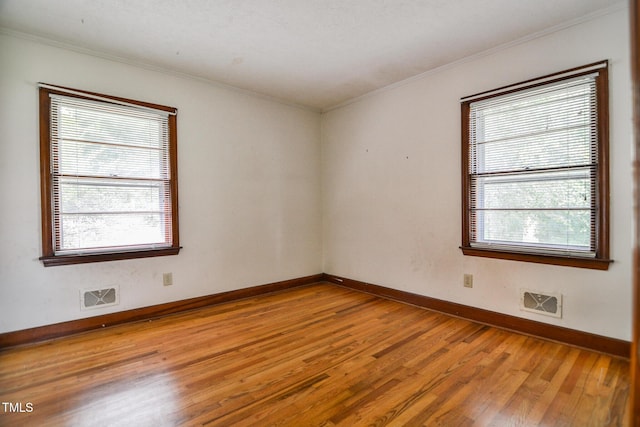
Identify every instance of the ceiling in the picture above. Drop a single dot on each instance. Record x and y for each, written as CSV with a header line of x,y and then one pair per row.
x,y
313,53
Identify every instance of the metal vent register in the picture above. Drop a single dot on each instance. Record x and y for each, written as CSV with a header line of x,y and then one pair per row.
x,y
95,298
541,303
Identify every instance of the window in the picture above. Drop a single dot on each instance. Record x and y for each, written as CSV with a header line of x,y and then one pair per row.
x,y
535,172
108,177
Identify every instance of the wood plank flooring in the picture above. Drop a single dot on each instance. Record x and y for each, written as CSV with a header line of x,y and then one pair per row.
x,y
318,355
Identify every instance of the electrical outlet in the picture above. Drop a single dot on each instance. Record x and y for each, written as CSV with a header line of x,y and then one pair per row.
x,y
167,279
468,281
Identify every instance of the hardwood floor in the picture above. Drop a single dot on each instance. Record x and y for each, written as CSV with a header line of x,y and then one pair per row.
x,y
318,355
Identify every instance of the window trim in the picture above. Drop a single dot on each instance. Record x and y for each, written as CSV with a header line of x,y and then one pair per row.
x,y
49,258
601,260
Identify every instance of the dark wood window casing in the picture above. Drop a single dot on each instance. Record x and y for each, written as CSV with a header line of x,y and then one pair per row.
x,y
598,253
50,214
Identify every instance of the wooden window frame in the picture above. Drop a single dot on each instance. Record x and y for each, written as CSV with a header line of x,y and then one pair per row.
x,y
49,257
601,260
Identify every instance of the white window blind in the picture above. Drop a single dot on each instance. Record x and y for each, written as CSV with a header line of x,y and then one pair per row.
x,y
533,169
110,173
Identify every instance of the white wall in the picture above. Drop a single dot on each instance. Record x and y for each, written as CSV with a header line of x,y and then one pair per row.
x,y
392,191
249,189
253,209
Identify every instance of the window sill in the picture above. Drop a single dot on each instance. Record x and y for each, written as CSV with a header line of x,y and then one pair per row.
x,y
592,263
50,261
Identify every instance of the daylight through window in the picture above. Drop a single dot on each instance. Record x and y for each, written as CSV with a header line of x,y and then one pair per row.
x,y
535,170
111,179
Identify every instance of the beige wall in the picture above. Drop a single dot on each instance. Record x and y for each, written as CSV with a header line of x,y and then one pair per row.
x,y
392,197
248,185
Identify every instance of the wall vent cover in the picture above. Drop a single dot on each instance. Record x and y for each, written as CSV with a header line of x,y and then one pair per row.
x,y
549,304
98,298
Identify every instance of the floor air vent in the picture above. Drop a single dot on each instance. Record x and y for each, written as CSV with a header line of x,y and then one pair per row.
x,y
97,298
536,302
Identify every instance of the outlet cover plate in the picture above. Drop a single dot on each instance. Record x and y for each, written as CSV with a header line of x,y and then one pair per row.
x,y
167,279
